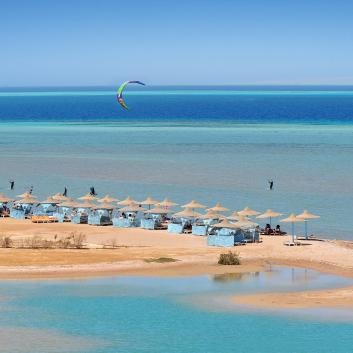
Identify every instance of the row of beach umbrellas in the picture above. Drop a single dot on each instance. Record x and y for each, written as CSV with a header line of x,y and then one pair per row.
x,y
163,207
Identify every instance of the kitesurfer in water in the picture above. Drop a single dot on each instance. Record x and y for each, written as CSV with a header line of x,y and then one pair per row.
x,y
12,184
270,182
92,191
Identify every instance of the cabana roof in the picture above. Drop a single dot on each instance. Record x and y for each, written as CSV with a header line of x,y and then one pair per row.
x,y
104,206
307,215
26,195
235,216
212,215
28,200
167,203
292,219
248,212
245,223
194,204
87,197
218,208
50,200
225,224
187,213
149,201
269,213
128,201
4,199
133,207
69,203
107,199
157,210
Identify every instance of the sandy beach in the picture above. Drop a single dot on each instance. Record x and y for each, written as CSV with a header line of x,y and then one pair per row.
x,y
136,247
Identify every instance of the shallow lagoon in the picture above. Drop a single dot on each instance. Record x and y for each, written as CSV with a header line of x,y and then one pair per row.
x,y
181,314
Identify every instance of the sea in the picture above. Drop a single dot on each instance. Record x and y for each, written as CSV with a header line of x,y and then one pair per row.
x,y
212,144
176,315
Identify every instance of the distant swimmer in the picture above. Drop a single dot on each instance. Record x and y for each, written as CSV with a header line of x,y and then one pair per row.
x,y
92,191
12,184
65,191
270,182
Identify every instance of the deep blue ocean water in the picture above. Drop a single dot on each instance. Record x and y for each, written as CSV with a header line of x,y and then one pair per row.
x,y
177,315
212,144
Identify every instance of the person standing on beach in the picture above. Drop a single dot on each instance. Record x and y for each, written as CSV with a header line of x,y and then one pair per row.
x,y
92,191
271,184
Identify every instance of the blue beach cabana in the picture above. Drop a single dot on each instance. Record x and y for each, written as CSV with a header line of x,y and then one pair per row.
x,y
182,221
206,221
225,234
4,205
155,218
46,208
23,208
81,211
64,210
128,216
101,215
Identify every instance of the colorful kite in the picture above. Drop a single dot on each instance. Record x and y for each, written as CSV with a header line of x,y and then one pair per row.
x,y
120,92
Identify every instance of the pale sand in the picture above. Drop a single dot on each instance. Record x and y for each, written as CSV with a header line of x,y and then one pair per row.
x,y
195,257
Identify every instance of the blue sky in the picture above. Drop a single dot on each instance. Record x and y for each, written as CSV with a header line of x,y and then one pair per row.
x,y
102,42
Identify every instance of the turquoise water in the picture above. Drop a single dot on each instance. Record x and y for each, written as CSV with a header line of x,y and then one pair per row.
x,y
214,144
151,314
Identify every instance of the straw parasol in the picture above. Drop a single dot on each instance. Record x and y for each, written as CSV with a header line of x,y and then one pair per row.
x,y
187,213
306,215
149,202
68,203
245,223
269,214
86,204
194,204
157,210
292,219
104,206
235,216
128,201
28,200
132,207
87,197
167,203
27,195
248,212
107,199
4,199
225,224
60,197
218,208
212,215
50,200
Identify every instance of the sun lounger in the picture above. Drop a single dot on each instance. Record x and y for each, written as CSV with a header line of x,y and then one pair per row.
x,y
292,243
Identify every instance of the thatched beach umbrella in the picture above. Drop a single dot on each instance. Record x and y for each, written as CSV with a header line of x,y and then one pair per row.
x,y
167,203
4,199
27,195
157,210
88,197
68,203
235,216
269,214
212,215
187,213
50,200
60,197
128,201
245,223
306,215
225,224
292,219
86,204
107,199
104,206
218,208
28,201
248,212
132,207
194,204
149,202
